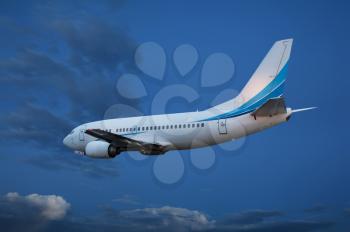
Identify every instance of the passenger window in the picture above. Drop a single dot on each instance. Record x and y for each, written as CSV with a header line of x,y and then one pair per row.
x,y
167,126
171,126
193,125
180,126
175,126
197,124
188,125
163,127
143,128
158,127
202,124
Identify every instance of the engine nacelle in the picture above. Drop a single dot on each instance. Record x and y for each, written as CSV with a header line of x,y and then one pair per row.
x,y
101,150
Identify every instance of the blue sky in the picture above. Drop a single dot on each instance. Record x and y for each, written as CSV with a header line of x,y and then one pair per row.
x,y
59,66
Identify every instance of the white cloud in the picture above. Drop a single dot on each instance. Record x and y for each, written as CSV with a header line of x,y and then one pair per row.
x,y
169,217
52,207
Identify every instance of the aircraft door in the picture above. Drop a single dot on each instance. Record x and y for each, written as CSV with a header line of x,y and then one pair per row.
x,y
82,133
222,126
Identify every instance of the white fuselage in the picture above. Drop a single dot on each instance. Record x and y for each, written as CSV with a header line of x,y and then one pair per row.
x,y
258,106
176,131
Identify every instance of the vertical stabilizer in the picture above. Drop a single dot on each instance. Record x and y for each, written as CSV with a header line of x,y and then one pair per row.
x,y
266,83
273,66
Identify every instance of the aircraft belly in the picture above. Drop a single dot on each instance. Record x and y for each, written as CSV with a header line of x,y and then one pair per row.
x,y
252,125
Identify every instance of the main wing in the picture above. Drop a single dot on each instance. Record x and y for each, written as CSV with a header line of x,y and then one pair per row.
x,y
125,143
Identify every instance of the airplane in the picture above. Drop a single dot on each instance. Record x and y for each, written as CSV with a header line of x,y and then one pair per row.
x,y
258,106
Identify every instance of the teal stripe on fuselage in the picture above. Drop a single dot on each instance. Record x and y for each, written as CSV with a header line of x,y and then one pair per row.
x,y
274,89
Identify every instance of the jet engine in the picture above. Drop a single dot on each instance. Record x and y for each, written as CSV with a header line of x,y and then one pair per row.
x,y
101,150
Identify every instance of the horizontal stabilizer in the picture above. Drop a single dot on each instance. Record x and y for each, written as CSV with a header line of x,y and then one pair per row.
x,y
270,108
303,109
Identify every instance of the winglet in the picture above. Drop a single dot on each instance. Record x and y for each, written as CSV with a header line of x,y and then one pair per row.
x,y
303,109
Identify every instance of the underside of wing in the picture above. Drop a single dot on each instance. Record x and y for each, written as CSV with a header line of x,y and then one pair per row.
x,y
127,144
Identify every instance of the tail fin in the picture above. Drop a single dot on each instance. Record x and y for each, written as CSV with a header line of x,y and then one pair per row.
x,y
266,83
270,76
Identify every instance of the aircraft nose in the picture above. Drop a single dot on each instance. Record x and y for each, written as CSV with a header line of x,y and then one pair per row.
x,y
66,141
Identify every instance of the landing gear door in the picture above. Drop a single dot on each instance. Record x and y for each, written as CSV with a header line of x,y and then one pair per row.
x,y
222,126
